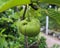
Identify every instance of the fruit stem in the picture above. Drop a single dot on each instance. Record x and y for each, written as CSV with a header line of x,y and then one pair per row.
x,y
24,13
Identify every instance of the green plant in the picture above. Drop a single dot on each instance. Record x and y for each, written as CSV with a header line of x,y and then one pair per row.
x,y
9,32
55,46
43,42
51,2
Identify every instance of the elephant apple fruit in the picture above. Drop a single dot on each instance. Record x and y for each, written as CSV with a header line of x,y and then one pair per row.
x,y
30,28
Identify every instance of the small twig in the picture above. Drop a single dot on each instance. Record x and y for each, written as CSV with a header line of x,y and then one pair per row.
x,y
33,43
46,12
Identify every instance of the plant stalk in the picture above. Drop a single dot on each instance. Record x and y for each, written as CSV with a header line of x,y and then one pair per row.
x,y
25,37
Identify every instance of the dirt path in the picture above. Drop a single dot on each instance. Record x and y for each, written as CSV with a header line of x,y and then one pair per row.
x,y
51,40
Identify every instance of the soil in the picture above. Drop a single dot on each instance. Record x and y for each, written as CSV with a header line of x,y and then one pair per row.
x,y
51,40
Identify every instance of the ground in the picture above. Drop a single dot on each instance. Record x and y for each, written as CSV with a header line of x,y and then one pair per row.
x,y
51,40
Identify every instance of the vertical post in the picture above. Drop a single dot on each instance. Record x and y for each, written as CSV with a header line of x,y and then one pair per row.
x,y
47,22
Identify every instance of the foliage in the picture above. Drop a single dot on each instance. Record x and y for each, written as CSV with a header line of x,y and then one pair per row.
x,y
54,18
51,2
9,30
54,14
55,46
6,4
10,36
43,42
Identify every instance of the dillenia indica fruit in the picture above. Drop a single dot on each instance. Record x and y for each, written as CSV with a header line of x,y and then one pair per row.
x,y
30,28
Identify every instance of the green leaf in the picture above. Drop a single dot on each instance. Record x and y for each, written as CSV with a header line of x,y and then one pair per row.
x,y
3,42
6,4
56,2
6,19
54,15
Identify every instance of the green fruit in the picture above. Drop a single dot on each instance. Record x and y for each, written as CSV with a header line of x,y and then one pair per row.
x,y
30,28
